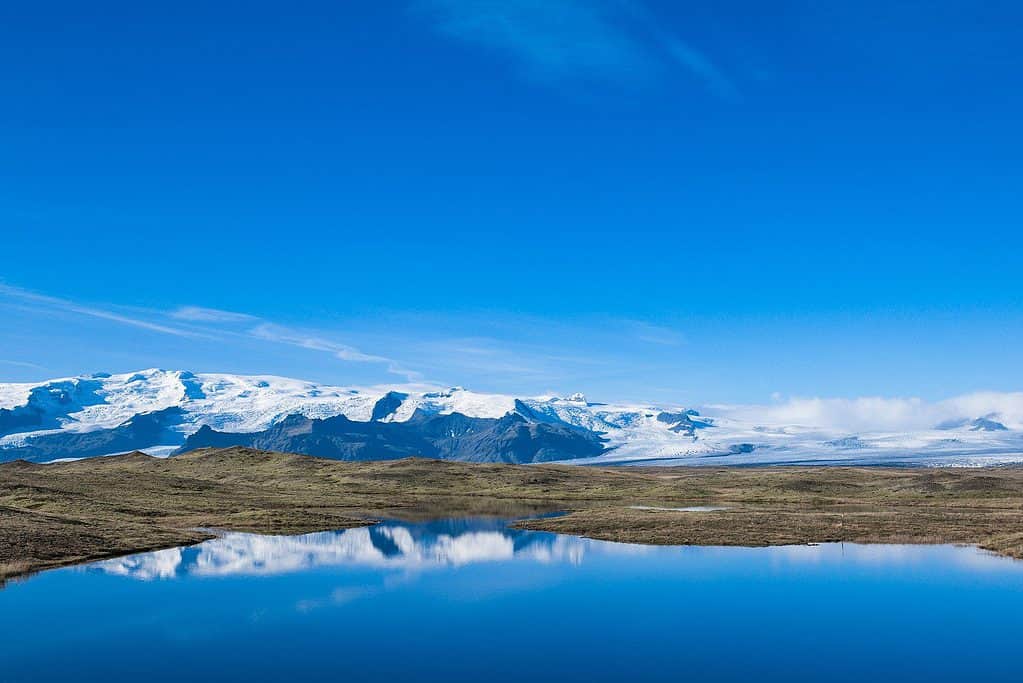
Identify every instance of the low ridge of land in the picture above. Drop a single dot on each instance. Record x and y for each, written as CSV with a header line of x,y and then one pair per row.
x,y
67,513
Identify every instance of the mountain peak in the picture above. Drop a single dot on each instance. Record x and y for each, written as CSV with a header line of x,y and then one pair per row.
x,y
157,410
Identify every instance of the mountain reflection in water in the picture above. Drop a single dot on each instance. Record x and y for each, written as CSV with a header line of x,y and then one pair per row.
x,y
388,545
461,600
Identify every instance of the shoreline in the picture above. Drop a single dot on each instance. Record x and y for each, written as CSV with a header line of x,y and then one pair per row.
x,y
65,514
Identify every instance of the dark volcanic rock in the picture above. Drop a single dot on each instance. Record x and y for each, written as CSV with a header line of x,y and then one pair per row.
x,y
512,438
981,424
387,404
984,424
47,403
683,422
145,429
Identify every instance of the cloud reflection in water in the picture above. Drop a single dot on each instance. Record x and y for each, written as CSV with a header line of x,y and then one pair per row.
x,y
403,547
391,545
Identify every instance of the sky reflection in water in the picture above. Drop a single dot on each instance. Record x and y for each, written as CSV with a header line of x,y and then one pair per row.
x,y
471,599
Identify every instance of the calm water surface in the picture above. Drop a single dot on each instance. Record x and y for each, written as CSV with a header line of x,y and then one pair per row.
x,y
475,601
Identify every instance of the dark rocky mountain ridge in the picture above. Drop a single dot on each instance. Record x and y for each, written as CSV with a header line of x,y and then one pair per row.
x,y
513,438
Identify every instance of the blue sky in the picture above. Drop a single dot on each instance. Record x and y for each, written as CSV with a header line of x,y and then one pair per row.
x,y
665,200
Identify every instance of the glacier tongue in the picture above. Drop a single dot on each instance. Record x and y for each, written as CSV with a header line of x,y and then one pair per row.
x,y
106,407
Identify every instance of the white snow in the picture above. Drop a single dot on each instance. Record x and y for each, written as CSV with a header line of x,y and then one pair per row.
x,y
847,431
455,400
13,395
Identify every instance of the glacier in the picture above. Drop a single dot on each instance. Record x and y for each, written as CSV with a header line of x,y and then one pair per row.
x,y
160,411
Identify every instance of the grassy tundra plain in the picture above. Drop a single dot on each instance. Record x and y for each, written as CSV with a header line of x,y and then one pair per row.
x,y
61,514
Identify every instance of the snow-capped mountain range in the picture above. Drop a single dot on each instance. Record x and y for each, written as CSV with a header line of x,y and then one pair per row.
x,y
162,412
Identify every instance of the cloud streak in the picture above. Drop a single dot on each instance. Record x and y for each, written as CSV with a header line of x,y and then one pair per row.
x,y
210,315
655,334
283,335
21,364
523,354
50,303
703,68
200,323
561,40
548,39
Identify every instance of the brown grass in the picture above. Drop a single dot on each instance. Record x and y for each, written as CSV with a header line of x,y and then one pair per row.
x,y
52,515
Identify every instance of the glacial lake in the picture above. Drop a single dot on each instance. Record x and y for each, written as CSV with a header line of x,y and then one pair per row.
x,y
471,600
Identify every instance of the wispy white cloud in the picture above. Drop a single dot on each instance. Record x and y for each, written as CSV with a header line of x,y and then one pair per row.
x,y
655,334
514,353
480,355
549,39
210,315
199,323
43,303
557,40
501,351
284,335
703,68
21,364
313,342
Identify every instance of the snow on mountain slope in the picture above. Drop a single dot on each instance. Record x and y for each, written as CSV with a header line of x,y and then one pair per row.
x,y
962,431
229,402
454,400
